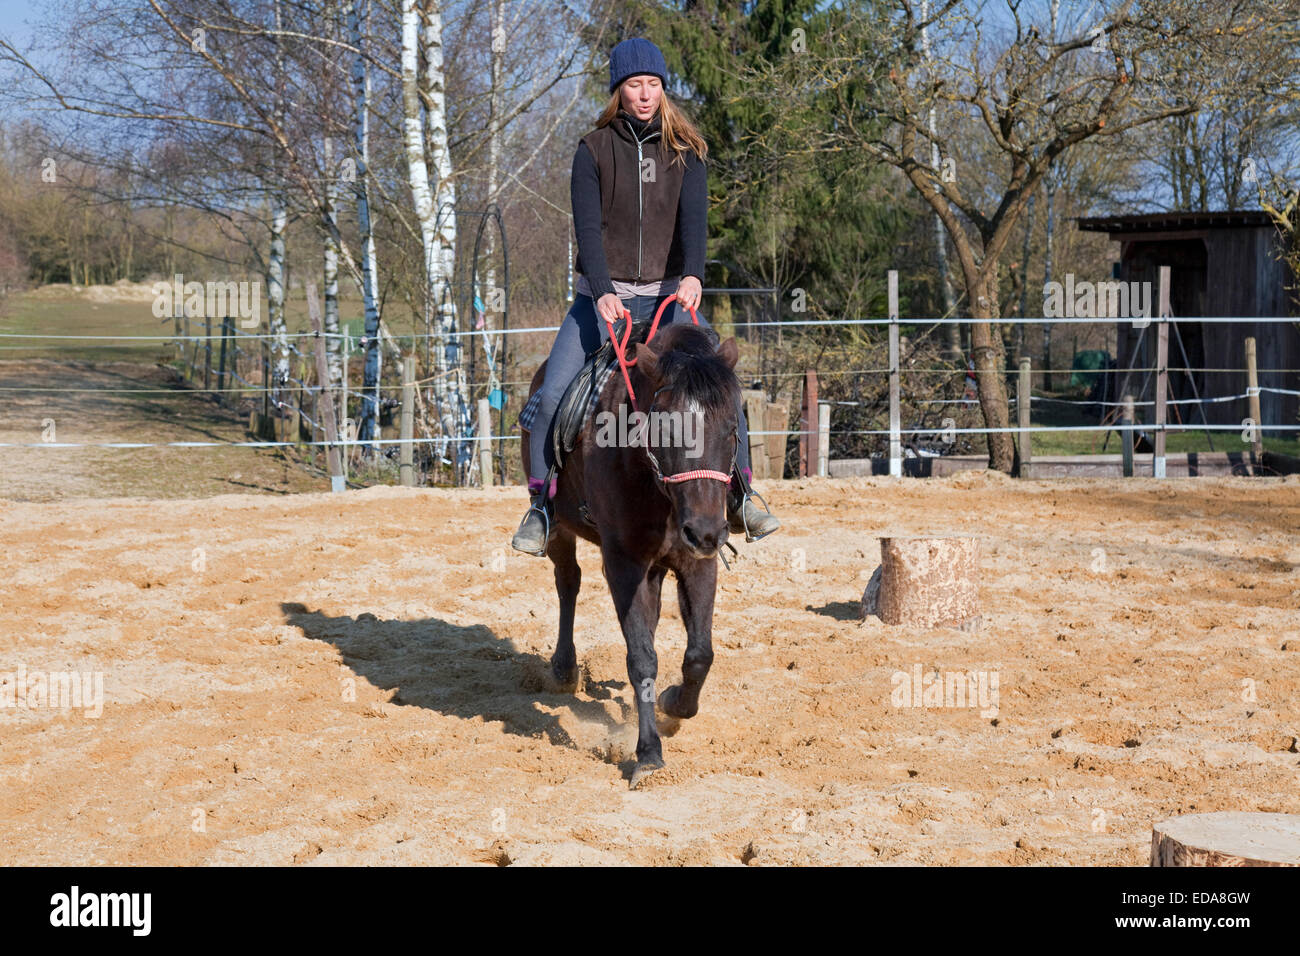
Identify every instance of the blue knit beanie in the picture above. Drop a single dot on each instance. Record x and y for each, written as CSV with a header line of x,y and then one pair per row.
x,y
634,56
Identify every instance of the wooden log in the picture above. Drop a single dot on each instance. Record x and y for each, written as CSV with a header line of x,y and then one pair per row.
x,y
1227,839
926,582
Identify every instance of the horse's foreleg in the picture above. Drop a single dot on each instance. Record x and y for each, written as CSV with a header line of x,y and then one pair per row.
x,y
636,589
695,593
568,580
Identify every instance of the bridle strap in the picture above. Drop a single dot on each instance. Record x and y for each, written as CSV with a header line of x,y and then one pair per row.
x,y
688,475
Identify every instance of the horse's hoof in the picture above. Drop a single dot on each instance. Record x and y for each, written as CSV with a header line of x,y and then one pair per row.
x,y
566,680
642,772
666,721
668,703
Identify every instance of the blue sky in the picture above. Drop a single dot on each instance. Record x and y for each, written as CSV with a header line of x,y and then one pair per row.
x,y
13,13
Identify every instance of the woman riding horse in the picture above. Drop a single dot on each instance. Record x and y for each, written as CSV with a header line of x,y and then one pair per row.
x,y
640,204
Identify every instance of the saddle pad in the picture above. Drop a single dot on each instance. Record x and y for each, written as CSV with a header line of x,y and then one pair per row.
x,y
529,413
581,395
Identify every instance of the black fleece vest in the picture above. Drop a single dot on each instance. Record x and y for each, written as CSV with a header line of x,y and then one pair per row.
x,y
638,203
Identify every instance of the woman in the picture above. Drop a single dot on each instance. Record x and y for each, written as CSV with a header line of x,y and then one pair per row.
x,y
640,204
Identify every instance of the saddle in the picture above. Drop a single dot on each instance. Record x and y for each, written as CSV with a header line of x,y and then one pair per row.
x,y
578,402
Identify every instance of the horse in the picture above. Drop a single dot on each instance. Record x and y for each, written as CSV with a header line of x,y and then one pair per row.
x,y
651,506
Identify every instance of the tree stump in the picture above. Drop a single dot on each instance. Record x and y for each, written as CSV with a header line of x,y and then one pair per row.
x,y
1227,839
926,582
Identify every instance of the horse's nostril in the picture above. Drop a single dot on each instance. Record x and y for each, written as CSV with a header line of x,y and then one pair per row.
x,y
699,539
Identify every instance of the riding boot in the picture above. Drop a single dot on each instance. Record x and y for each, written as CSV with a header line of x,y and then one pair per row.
x,y
535,530
743,516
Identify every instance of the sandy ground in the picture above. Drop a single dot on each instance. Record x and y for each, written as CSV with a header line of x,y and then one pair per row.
x,y
361,679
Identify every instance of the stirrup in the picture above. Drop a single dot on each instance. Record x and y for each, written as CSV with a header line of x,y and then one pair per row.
x,y
749,535
546,522
541,496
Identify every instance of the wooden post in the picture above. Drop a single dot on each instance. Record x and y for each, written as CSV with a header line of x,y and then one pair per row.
x,y
266,380
823,439
778,420
485,442
895,429
1252,392
1162,375
207,353
326,408
808,453
406,467
1126,437
344,425
221,365
756,414
1023,405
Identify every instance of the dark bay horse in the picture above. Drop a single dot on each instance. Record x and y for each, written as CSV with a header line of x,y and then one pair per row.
x,y
656,503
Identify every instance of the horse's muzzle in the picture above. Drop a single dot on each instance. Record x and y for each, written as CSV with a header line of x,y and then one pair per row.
x,y
704,536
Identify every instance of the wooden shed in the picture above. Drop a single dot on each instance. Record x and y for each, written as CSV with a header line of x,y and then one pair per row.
x,y
1221,264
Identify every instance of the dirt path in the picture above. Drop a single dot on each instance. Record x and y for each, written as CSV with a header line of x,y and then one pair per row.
x,y
1145,638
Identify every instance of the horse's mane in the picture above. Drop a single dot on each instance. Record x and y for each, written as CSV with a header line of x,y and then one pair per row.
x,y
691,367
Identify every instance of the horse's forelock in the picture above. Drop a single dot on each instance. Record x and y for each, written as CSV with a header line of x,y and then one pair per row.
x,y
691,366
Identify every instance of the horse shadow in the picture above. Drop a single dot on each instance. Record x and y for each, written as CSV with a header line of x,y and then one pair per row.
x,y
839,610
463,671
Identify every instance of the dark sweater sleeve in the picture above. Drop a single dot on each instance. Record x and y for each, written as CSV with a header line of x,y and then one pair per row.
x,y
693,215
584,193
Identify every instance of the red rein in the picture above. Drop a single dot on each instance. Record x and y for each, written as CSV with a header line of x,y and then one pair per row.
x,y
620,349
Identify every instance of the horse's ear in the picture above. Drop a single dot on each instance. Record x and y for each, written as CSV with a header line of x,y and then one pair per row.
x,y
647,360
729,352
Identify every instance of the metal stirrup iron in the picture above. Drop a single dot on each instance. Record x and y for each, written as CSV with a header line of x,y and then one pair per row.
x,y
546,519
748,492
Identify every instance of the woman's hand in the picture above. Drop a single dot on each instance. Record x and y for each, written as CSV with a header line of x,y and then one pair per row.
x,y
609,307
689,292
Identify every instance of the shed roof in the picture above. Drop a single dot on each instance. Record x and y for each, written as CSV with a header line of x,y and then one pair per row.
x,y
1166,221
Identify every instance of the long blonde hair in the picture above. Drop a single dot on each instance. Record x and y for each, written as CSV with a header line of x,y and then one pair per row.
x,y
679,133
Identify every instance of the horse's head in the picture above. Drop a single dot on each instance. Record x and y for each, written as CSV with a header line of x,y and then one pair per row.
x,y
689,393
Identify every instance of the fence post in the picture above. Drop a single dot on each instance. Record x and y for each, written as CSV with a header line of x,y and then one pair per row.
x,y
266,380
1252,392
1162,375
207,353
406,467
808,453
485,442
823,439
343,401
1126,436
221,369
1023,406
895,429
325,408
